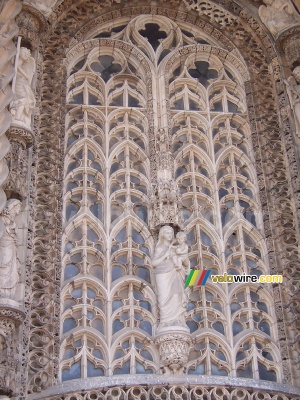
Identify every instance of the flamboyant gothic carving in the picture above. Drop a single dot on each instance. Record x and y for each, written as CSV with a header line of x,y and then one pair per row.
x,y
164,193
200,166
165,203
9,262
109,313
278,15
24,101
293,90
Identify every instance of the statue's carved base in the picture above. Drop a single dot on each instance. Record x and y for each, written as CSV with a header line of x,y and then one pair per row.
x,y
174,348
10,318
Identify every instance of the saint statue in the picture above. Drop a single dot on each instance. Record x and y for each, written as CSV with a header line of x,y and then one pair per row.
x,y
162,141
9,262
278,15
23,104
293,90
171,265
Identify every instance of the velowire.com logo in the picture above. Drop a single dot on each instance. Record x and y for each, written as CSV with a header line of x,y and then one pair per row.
x,y
199,278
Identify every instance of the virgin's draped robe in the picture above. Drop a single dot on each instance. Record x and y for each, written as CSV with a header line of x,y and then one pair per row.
x,y
172,300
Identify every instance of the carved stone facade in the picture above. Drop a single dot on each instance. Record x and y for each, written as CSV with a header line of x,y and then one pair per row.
x,y
136,123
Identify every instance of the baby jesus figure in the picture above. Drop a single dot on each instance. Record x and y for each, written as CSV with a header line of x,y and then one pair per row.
x,y
180,253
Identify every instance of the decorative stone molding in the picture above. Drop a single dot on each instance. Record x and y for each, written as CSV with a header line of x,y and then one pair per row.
x,y
155,388
174,351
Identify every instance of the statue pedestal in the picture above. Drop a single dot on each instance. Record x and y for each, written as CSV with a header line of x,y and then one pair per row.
x,y
174,347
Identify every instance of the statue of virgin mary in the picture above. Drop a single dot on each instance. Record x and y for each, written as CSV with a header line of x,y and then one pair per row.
x,y
172,299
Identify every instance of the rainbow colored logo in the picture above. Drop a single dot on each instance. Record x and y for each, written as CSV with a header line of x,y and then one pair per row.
x,y
197,278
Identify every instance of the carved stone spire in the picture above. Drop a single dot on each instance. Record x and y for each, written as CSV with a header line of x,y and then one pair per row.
x,y
164,193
